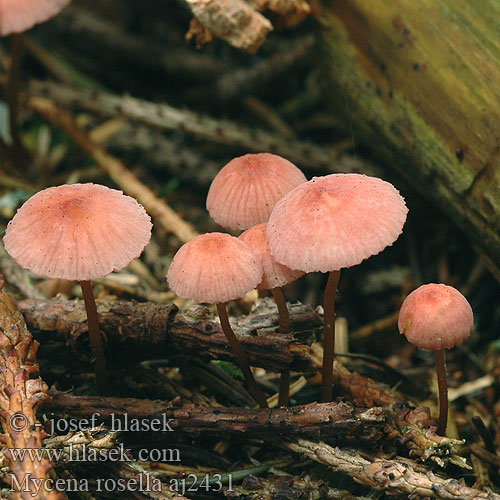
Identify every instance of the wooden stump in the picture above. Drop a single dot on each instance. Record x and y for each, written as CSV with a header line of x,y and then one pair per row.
x,y
422,84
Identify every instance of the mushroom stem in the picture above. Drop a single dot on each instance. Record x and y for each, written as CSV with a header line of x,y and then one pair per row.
x,y
329,336
13,89
443,391
284,321
240,354
95,339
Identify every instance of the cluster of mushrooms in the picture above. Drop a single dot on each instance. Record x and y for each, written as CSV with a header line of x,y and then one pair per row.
x,y
292,226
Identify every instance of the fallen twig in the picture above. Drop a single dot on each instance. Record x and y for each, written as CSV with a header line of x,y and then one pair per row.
x,y
152,148
392,476
338,423
84,33
255,79
219,131
274,487
147,330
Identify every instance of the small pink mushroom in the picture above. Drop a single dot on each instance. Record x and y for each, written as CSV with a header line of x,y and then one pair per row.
x,y
435,317
245,191
79,232
217,267
330,223
17,16
275,276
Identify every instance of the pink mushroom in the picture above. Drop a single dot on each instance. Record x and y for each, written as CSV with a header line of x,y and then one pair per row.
x,y
17,16
245,191
275,276
217,267
330,223
79,232
435,317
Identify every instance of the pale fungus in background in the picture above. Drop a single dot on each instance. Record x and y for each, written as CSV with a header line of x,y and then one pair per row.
x,y
275,276
17,16
331,223
436,317
245,191
215,268
79,232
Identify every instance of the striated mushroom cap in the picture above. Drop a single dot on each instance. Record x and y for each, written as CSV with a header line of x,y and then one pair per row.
x,y
435,316
245,191
275,274
334,222
214,267
17,16
77,232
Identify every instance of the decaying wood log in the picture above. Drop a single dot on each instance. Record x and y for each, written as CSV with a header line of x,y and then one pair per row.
x,y
421,83
145,330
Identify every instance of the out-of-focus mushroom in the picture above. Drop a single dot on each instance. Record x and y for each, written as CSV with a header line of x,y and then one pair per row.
x,y
17,16
275,276
215,268
245,191
330,223
435,317
79,232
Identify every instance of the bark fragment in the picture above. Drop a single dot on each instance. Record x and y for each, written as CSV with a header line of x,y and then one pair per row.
x,y
20,396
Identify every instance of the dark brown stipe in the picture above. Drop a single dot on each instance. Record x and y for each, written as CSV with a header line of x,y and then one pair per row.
x,y
443,391
284,322
240,354
329,336
95,339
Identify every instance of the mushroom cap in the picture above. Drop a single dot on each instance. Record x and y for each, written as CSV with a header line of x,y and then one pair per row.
x,y
20,15
335,221
435,316
245,191
214,267
77,232
275,274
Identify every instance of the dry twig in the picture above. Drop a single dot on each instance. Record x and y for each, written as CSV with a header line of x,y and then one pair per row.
x,y
392,476
167,117
147,330
274,487
338,423
84,32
